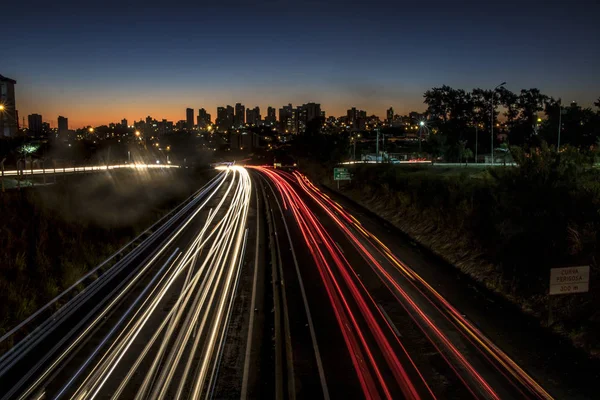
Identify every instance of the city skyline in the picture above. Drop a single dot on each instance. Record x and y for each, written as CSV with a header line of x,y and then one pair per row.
x,y
147,60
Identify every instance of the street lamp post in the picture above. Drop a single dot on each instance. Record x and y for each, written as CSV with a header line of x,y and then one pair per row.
x,y
421,127
2,165
377,148
2,124
492,117
476,140
559,124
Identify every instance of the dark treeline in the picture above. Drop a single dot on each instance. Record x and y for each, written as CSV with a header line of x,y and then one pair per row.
x,y
525,118
459,123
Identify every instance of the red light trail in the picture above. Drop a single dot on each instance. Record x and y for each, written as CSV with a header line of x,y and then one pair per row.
x,y
340,279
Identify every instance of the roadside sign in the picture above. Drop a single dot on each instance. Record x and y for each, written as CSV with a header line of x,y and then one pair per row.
x,y
341,174
570,280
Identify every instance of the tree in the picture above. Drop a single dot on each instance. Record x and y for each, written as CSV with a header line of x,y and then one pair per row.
x,y
467,154
510,101
438,102
580,127
529,103
436,145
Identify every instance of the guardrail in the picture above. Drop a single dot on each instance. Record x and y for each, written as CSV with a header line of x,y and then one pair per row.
x,y
437,164
88,168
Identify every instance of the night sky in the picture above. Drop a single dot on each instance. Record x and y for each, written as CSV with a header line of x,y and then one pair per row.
x,y
133,59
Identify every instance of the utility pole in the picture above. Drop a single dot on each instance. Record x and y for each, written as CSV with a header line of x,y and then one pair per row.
x,y
377,148
420,137
476,138
2,165
559,124
492,117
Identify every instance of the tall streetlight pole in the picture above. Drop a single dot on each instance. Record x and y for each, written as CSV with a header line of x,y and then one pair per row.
x,y
492,112
559,124
377,148
421,126
476,140
2,124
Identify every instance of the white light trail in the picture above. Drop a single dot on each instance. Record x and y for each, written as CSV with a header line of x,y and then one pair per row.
x,y
194,328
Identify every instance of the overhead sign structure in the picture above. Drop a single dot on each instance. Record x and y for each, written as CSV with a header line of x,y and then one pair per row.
x,y
570,280
341,174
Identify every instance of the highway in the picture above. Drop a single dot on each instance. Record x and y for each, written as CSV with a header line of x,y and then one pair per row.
x,y
152,325
372,317
257,286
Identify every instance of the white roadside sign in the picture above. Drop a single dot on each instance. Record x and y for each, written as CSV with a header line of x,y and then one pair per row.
x,y
569,280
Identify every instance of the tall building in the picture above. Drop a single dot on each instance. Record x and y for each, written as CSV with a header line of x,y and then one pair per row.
x,y
203,118
356,118
271,118
189,118
35,123
390,115
230,116
9,121
253,116
287,119
63,126
165,127
313,110
240,110
304,114
221,118
225,118
257,113
124,123
352,115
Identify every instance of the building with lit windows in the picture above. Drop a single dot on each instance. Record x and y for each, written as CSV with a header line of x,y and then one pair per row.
x,y
240,117
253,116
9,121
287,120
225,118
203,119
271,118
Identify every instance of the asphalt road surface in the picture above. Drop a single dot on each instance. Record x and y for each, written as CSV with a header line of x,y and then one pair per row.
x,y
258,286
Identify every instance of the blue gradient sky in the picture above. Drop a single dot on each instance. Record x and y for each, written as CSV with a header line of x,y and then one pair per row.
x,y
97,64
